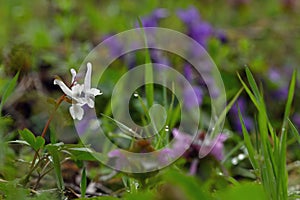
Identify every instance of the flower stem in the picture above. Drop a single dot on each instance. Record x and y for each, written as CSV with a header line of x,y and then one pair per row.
x,y
33,166
60,100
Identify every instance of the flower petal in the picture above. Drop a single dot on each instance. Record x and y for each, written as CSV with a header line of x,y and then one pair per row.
x,y
76,111
73,72
90,102
77,90
194,167
87,79
63,87
94,92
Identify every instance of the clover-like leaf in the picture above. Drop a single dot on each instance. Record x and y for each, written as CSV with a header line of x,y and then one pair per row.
x,y
35,142
39,143
28,136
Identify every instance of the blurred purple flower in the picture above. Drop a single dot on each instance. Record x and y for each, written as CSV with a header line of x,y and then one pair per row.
x,y
115,153
239,104
222,37
196,28
120,160
188,94
189,16
194,166
153,19
296,120
248,124
281,93
115,46
116,49
217,150
190,102
201,32
188,72
213,89
234,114
182,141
274,75
215,147
165,156
279,83
158,57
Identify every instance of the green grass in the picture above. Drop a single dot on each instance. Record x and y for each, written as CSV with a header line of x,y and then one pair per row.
x,y
269,162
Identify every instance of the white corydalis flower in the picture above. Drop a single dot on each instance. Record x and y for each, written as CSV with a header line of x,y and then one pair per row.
x,y
81,94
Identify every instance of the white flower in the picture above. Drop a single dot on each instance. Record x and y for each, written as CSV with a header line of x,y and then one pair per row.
x,y
81,94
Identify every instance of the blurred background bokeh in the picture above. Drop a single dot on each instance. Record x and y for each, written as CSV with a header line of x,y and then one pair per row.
x,y
44,38
47,38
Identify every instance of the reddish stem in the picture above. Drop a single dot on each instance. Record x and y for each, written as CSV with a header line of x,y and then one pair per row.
x,y
60,100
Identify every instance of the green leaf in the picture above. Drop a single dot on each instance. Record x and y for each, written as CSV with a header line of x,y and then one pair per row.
x,y
10,88
104,198
233,151
224,112
11,190
39,143
83,183
245,191
147,195
294,131
28,136
35,142
282,185
282,172
148,71
252,83
289,100
19,142
248,143
125,129
53,138
84,153
272,169
250,94
54,152
188,184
